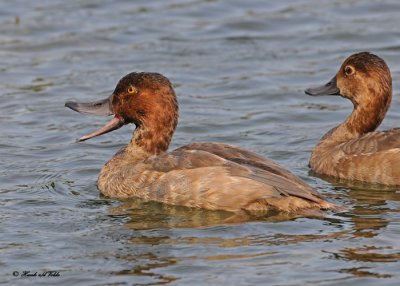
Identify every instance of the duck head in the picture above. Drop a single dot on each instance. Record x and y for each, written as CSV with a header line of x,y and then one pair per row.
x,y
145,99
364,78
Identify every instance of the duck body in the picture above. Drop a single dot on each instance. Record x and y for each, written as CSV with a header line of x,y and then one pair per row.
x,y
212,176
373,158
354,150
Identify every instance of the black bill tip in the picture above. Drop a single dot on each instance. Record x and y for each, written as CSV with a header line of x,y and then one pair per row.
x,y
72,105
329,88
308,91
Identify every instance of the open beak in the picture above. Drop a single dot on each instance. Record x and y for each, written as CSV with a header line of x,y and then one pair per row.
x,y
102,108
327,89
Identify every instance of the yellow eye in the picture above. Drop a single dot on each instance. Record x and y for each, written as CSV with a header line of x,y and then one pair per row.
x,y
132,90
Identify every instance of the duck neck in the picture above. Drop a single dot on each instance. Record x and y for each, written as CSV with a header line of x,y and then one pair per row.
x,y
151,139
366,117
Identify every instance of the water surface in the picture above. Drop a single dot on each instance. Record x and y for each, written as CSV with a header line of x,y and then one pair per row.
x,y
239,69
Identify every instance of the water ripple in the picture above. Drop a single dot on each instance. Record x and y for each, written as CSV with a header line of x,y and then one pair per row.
x,y
239,70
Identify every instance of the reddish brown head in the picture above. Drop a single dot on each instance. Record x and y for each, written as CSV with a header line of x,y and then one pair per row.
x,y
145,99
365,79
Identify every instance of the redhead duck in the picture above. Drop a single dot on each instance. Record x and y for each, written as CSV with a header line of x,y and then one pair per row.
x,y
353,150
212,176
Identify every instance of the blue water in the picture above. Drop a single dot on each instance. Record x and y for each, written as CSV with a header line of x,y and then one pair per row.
x,y
239,69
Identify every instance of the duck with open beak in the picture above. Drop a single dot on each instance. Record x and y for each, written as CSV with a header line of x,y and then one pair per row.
x,y
101,108
212,176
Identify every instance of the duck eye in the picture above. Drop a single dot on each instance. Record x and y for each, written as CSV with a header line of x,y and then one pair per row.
x,y
348,70
132,90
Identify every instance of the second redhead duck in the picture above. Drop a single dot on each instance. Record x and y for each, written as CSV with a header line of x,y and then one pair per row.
x,y
212,176
353,150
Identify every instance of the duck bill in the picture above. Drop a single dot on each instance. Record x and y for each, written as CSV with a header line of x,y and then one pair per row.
x,y
115,123
101,108
329,88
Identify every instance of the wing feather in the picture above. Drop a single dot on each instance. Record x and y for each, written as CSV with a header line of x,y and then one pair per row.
x,y
373,142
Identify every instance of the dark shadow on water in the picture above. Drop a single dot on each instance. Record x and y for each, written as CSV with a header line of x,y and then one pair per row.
x,y
149,269
161,238
354,184
371,204
363,272
153,215
94,203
